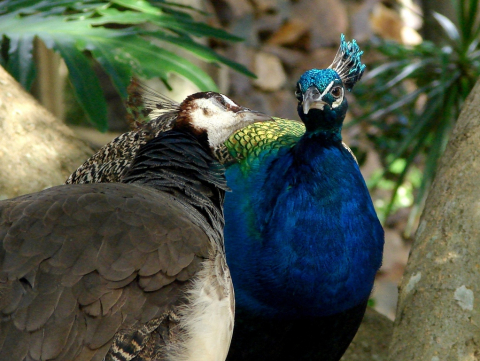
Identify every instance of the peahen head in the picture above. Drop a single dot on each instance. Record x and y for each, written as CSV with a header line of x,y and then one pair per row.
x,y
215,117
322,104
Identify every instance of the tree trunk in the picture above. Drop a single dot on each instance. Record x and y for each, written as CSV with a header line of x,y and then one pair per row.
x,y
438,314
37,150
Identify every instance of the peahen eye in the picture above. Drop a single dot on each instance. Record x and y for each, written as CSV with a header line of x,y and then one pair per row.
x,y
336,92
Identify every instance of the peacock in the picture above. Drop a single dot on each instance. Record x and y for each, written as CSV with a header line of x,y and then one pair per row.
x,y
302,238
133,270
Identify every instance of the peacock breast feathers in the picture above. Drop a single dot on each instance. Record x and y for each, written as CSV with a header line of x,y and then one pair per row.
x,y
254,141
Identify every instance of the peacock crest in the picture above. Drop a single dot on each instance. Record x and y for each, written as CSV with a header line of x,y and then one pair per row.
x,y
347,62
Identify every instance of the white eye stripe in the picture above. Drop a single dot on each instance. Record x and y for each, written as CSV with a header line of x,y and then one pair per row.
x,y
229,101
327,89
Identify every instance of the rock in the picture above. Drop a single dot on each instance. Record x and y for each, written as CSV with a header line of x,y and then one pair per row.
x,y
395,254
289,33
269,71
263,6
288,57
239,8
283,103
37,150
239,83
326,19
372,339
268,25
385,294
360,19
386,22
319,58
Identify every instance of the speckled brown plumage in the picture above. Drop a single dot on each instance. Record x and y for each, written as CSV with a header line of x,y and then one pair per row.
x,y
113,159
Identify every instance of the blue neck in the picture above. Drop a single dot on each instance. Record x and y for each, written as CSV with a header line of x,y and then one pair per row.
x,y
307,241
325,124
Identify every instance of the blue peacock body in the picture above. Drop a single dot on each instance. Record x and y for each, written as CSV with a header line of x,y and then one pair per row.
x,y
303,241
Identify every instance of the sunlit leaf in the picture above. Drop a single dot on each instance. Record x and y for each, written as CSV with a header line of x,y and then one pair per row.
x,y
407,71
383,68
86,84
83,32
21,64
201,51
139,5
448,26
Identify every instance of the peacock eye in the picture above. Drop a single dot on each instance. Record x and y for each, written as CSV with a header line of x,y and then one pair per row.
x,y
336,92
298,92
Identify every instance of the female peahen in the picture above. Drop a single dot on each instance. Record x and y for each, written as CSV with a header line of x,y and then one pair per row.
x,y
302,238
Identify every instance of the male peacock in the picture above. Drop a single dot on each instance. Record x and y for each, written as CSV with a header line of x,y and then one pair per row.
x,y
132,270
303,240
302,237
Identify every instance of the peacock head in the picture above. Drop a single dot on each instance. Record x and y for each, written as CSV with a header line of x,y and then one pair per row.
x,y
322,104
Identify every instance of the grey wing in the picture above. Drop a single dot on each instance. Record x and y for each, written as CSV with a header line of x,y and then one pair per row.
x,y
82,263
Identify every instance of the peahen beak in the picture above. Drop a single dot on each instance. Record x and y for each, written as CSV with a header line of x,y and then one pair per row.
x,y
253,116
312,99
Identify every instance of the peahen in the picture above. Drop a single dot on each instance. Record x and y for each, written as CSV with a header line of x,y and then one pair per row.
x,y
124,271
302,237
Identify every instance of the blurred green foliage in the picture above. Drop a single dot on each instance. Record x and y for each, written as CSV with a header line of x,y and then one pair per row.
x,y
413,97
117,34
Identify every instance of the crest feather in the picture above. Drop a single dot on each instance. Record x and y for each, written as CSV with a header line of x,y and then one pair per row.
x,y
144,104
347,63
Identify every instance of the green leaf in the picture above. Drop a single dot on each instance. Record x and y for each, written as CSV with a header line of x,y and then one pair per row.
x,y
115,16
154,57
468,17
86,84
20,62
162,3
385,67
74,28
448,26
407,71
139,5
118,71
201,51
190,27
407,99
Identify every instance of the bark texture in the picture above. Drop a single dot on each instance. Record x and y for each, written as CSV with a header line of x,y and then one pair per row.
x,y
37,150
438,314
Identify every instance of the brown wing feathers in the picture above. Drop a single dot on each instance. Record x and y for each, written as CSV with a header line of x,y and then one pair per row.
x,y
69,257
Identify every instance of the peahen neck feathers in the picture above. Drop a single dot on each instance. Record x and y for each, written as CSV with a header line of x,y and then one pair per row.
x,y
177,163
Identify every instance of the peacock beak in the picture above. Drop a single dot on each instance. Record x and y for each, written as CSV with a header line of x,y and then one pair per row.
x,y
312,99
